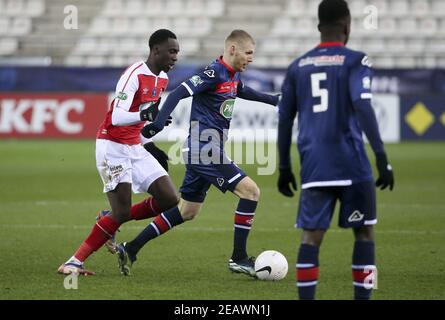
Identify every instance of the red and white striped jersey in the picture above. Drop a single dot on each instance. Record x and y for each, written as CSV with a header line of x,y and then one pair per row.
x,y
136,86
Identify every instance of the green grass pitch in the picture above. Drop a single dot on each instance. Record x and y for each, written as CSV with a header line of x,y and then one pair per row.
x,y
50,194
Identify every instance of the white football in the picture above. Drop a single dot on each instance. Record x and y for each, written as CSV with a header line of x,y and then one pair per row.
x,y
271,265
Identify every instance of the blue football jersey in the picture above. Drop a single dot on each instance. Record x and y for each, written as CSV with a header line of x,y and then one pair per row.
x,y
214,90
321,86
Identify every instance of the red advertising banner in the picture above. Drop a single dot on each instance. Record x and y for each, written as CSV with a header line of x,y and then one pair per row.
x,y
51,115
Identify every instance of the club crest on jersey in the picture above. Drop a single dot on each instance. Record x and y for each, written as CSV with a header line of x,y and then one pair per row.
x,y
153,92
210,73
356,216
226,109
122,96
196,80
220,181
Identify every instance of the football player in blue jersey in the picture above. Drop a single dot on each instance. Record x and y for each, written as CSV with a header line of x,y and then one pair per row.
x,y
329,88
214,91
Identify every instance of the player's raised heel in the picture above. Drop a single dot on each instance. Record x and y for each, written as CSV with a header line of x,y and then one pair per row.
x,y
245,266
124,259
74,268
111,243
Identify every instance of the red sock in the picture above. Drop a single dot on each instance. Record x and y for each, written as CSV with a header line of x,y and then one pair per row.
x,y
101,232
148,208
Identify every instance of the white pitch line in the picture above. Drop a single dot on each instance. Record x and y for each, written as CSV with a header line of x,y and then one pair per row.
x,y
210,229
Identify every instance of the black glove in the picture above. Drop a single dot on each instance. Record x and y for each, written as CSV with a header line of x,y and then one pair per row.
x,y
287,177
158,154
386,176
150,130
150,113
168,121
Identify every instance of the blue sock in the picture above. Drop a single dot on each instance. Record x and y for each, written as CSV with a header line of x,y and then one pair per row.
x,y
363,265
244,215
307,271
160,224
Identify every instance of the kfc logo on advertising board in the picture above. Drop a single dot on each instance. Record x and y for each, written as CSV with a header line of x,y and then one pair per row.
x,y
48,115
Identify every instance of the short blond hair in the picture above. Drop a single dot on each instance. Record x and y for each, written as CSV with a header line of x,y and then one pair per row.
x,y
239,36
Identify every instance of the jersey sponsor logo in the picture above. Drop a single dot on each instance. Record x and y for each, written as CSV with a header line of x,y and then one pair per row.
x,y
356,216
145,91
226,109
320,61
366,62
220,181
196,80
122,96
115,170
210,73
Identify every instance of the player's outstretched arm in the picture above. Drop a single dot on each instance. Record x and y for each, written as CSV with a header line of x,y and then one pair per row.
x,y
120,117
368,122
170,104
245,92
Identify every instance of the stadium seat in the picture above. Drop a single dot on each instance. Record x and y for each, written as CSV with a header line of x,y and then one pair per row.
x,y
120,25
35,8
420,8
8,46
182,26
4,25
95,61
117,61
295,8
416,46
73,60
140,26
405,62
283,26
428,26
387,27
154,8
174,8
85,46
14,8
214,8
437,8
134,8
100,26
395,46
374,46
399,8
114,8
407,27
383,62
20,26
357,8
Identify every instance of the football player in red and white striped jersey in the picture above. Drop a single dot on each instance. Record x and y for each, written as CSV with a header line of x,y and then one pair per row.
x,y
123,163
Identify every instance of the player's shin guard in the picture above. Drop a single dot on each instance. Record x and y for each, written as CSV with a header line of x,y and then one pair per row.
x,y
145,209
243,222
364,272
161,224
307,271
101,232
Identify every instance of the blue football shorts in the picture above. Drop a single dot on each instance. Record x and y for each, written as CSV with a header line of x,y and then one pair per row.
x,y
357,206
199,177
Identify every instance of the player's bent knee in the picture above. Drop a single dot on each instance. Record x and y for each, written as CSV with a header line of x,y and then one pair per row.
x,y
189,215
248,189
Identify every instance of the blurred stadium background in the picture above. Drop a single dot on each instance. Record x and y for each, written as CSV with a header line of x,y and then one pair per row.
x,y
58,74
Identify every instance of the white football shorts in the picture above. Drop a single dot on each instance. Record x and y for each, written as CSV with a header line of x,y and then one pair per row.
x,y
118,163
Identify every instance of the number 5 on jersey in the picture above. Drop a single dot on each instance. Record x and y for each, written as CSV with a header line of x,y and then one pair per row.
x,y
318,92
